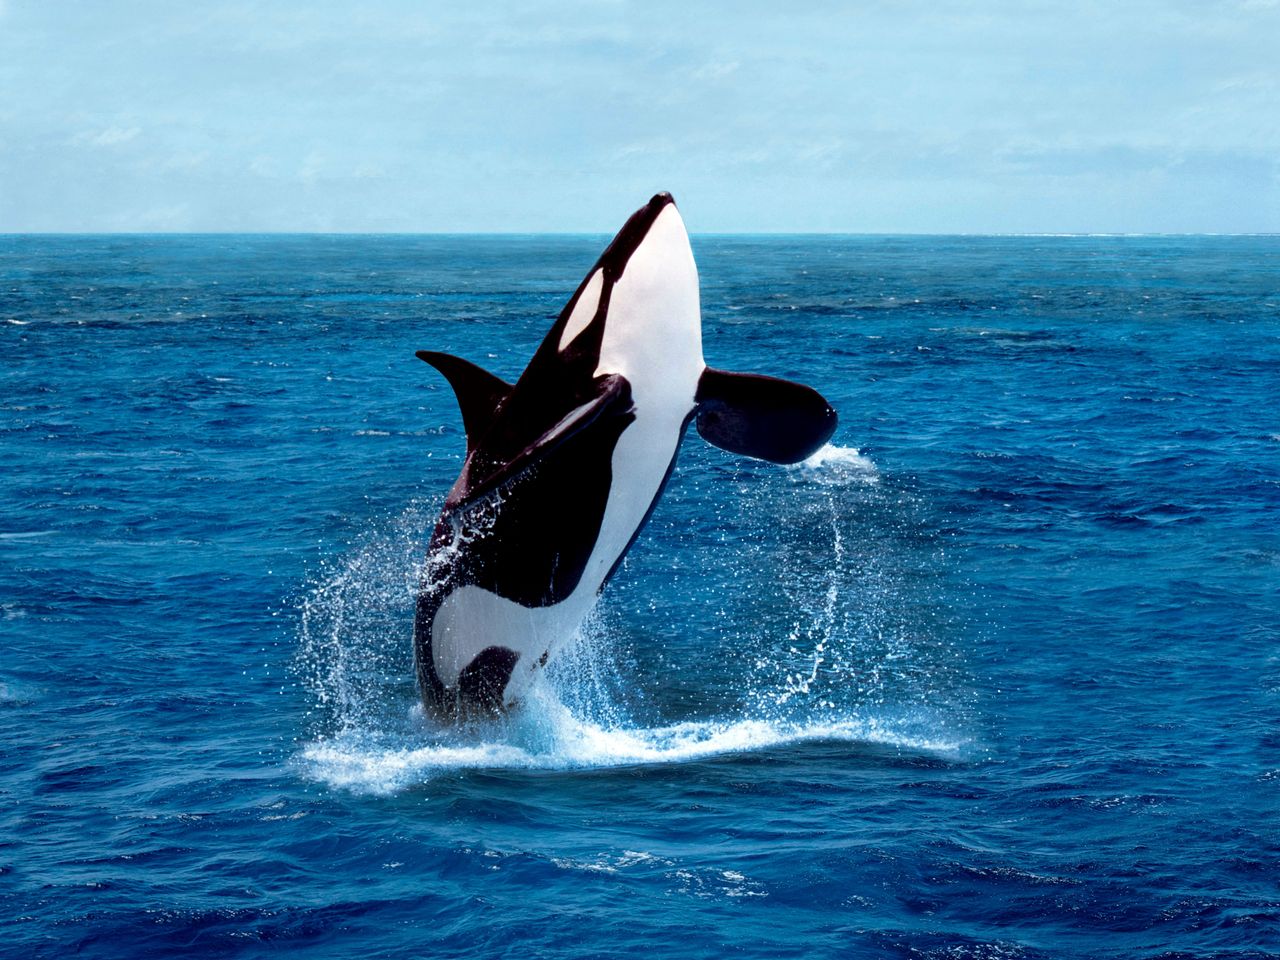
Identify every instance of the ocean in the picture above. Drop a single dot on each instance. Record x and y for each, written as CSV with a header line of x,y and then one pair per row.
x,y
995,674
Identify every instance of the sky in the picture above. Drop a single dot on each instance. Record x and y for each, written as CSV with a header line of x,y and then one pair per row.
x,y
1111,116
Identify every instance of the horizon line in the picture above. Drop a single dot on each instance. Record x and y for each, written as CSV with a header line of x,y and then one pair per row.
x,y
1029,234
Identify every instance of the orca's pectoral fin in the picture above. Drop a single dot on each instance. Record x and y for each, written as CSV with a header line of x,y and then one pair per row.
x,y
478,391
762,417
611,397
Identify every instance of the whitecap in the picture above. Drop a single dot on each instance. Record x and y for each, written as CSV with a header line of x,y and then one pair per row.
x,y
16,694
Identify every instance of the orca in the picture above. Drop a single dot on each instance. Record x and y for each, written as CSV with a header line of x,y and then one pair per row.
x,y
564,466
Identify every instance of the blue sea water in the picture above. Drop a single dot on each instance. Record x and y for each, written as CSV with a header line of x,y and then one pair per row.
x,y
996,674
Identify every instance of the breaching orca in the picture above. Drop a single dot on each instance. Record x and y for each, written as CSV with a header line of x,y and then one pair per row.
x,y
563,467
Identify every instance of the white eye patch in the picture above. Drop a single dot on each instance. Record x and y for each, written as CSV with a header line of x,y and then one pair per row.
x,y
583,310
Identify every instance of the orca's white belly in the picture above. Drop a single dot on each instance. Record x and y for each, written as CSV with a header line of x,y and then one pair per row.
x,y
471,619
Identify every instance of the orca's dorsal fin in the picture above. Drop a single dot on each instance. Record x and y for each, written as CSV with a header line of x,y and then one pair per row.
x,y
763,417
478,391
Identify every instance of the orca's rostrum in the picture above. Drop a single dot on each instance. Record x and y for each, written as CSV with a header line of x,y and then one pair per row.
x,y
563,467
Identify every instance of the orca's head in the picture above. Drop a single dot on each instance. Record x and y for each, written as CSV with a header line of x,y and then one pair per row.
x,y
637,310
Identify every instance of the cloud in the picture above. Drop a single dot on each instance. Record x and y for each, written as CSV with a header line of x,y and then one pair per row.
x,y
110,137
716,70
369,171
902,115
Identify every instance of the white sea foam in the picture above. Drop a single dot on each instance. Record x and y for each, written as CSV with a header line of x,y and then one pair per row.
x,y
545,735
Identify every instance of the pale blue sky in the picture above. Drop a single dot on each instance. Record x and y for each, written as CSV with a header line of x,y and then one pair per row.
x,y
385,115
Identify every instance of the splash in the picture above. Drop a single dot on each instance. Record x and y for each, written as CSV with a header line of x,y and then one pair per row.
x,y
356,624
837,466
546,735
827,652
355,645
855,627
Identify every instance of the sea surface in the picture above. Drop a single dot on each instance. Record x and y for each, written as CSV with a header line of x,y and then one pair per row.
x,y
996,674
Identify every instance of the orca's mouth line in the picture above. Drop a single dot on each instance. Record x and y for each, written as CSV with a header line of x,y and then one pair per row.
x,y
616,256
